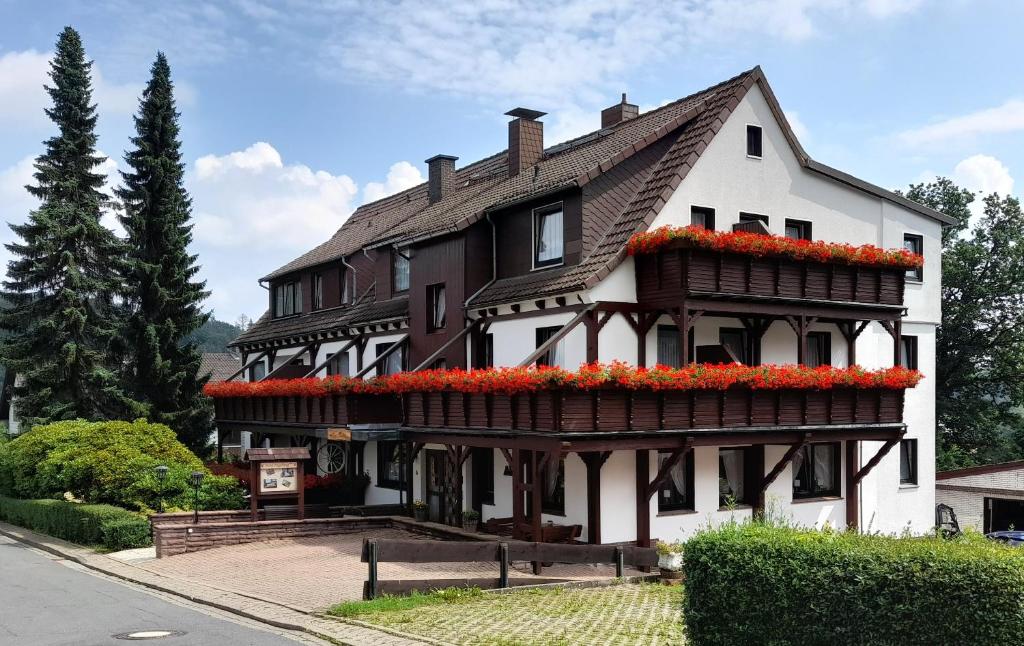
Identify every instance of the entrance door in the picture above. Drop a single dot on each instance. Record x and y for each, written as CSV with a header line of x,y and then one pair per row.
x,y
435,484
1002,514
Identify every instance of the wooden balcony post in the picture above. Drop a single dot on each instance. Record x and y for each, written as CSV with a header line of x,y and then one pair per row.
x,y
537,488
643,501
594,460
852,490
593,332
518,517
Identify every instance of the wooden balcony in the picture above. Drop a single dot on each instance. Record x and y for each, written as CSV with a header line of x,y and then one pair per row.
x,y
620,410
332,410
678,271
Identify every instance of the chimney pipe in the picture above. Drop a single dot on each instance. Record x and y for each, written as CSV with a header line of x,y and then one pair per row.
x,y
618,113
525,139
440,177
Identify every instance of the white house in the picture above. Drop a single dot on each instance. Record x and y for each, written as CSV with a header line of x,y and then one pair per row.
x,y
485,264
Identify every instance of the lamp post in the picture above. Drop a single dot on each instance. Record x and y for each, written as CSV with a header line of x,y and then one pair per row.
x,y
161,476
197,482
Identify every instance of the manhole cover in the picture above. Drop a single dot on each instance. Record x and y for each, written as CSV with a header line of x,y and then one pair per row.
x,y
148,634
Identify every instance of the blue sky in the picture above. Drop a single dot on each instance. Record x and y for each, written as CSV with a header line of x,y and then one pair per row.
x,y
295,112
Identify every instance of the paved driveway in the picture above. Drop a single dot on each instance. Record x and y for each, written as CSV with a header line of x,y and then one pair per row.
x,y
317,572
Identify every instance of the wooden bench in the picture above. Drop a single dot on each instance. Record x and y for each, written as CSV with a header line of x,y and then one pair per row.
x,y
548,533
291,512
498,526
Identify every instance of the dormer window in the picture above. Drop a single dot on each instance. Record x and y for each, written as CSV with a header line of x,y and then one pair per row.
x,y
400,269
548,236
754,141
288,298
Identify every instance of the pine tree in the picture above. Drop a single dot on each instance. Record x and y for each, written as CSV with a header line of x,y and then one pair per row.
x,y
162,299
62,281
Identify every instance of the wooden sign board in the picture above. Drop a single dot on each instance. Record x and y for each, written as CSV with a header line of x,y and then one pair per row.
x,y
339,434
277,473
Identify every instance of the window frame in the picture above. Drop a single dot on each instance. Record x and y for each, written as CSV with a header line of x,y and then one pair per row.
x,y
281,292
709,216
252,371
750,216
804,227
334,364
485,351
673,330
751,356
674,507
436,294
825,340
553,351
916,274
909,357
747,473
836,488
754,128
399,254
379,348
909,445
383,465
345,295
535,215
317,289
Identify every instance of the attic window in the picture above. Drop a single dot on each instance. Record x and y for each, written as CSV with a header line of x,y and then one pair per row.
x,y
400,269
548,236
288,299
754,141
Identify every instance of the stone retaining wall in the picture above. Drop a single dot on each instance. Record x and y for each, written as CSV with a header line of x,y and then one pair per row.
x,y
178,535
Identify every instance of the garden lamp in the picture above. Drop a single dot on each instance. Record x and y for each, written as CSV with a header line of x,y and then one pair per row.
x,y
197,482
161,475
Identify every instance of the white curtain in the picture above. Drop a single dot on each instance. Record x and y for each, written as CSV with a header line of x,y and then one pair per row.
x,y
439,307
823,466
732,464
549,236
798,461
394,362
298,298
677,474
551,478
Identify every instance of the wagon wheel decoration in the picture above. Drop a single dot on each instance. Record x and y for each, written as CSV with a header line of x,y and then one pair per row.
x,y
331,458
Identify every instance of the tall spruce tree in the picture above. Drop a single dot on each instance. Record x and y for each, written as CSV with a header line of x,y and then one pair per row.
x,y
162,300
62,279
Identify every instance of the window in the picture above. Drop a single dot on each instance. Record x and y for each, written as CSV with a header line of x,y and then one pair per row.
x,y
346,288
908,352
702,216
819,349
436,303
908,462
337,365
288,299
389,464
400,269
914,244
754,141
754,217
676,494
257,371
395,362
798,229
548,236
439,364
555,355
737,343
669,352
816,471
732,470
552,498
483,477
318,291
485,351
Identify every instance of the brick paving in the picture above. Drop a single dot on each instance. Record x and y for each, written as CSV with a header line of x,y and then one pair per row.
x,y
313,573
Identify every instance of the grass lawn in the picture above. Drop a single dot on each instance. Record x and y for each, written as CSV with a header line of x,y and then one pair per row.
x,y
621,614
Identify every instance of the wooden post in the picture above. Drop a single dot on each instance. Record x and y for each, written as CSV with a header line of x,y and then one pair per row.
x,y
220,446
371,577
619,562
503,564
852,489
254,474
301,465
643,501
593,332
537,487
683,325
594,461
518,517
897,342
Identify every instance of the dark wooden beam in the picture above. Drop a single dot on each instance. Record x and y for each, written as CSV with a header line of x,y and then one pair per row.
x,y
643,501
449,343
666,468
771,306
776,470
557,336
594,461
248,365
383,356
852,491
875,459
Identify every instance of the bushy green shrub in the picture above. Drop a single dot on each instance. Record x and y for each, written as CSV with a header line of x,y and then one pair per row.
x,y
109,462
111,527
755,584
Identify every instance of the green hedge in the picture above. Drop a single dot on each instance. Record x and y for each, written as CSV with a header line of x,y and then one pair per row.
x,y
112,527
754,584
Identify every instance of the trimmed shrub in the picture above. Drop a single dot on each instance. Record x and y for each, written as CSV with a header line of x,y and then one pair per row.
x,y
109,462
755,584
112,527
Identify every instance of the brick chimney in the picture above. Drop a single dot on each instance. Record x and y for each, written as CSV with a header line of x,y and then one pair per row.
x,y
619,113
525,139
440,177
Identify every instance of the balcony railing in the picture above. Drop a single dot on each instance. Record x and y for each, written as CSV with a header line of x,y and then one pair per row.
x,y
665,276
330,410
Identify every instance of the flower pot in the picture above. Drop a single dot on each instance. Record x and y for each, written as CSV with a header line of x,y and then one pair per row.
x,y
420,513
469,525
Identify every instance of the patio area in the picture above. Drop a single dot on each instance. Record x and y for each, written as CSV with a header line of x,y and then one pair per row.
x,y
314,573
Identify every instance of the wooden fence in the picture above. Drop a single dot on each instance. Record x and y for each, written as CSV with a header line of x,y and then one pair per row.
x,y
504,553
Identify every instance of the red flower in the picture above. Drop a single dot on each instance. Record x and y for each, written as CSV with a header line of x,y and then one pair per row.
x,y
759,244
510,381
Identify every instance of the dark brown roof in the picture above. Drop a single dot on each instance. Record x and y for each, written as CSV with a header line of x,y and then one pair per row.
x,y
218,365
982,469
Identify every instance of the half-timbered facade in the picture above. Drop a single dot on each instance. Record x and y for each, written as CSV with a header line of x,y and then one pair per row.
x,y
522,258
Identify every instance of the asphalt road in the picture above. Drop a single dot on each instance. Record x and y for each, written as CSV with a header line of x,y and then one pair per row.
x,y
46,601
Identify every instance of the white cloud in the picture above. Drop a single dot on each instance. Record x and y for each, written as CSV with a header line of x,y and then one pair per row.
x,y
983,174
1008,117
401,175
887,8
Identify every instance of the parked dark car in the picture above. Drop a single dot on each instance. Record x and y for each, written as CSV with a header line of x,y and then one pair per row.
x,y
1011,538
